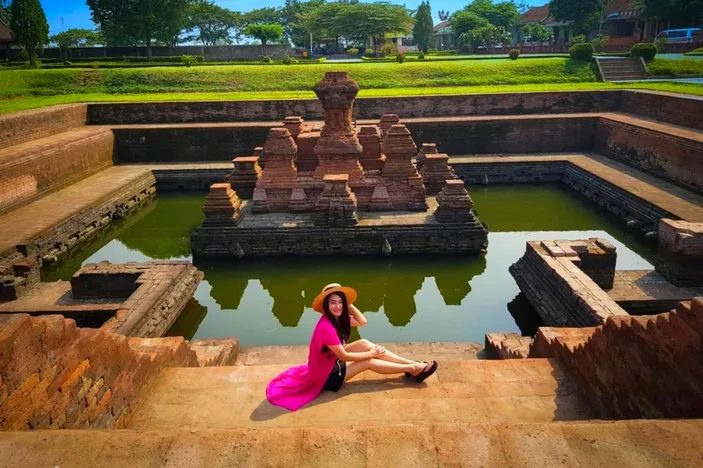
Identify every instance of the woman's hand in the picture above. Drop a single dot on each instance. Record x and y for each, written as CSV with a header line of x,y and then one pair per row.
x,y
377,350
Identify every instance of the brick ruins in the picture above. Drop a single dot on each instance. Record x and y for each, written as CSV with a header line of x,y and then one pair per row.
x,y
329,178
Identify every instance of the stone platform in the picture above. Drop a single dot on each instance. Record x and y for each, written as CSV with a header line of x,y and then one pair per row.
x,y
296,234
648,292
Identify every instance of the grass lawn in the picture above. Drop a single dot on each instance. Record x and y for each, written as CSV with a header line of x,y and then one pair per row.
x,y
25,89
17,104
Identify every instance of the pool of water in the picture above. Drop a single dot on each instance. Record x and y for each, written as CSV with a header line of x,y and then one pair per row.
x,y
456,298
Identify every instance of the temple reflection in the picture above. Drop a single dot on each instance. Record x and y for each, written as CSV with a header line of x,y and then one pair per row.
x,y
382,284
188,322
525,317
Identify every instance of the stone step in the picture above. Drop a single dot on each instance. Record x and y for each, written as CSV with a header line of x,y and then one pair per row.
x,y
420,351
526,390
638,443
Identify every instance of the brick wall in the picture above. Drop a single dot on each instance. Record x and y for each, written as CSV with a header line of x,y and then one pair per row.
x,y
671,108
668,156
34,168
55,375
635,367
19,127
364,108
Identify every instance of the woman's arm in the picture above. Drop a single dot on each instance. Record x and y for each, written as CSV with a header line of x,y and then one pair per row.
x,y
344,355
357,318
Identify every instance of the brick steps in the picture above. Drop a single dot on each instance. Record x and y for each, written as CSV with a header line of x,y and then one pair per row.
x,y
528,390
34,168
642,444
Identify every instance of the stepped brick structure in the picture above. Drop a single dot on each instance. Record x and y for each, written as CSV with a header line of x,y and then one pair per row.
x,y
427,148
222,203
370,138
404,184
680,252
338,150
259,153
280,176
336,206
306,161
435,172
294,125
454,203
386,122
245,175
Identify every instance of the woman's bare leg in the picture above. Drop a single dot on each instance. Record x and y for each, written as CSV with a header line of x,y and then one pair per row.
x,y
362,345
381,367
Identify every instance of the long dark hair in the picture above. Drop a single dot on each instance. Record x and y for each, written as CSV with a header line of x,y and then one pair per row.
x,y
343,325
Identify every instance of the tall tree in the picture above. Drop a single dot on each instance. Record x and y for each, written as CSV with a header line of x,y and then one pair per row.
x,y
294,27
583,14
265,33
363,20
684,11
5,11
464,22
212,23
138,21
443,15
75,38
29,27
503,14
422,32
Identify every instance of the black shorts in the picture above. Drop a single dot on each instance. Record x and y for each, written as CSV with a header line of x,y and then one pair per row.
x,y
336,378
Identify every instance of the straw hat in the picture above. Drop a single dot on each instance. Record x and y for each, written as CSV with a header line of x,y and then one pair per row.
x,y
349,293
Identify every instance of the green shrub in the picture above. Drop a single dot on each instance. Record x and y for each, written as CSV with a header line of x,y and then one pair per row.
x,y
421,56
94,65
646,51
66,62
600,43
188,60
368,52
288,60
578,39
267,59
581,52
514,54
389,48
660,42
353,51
400,57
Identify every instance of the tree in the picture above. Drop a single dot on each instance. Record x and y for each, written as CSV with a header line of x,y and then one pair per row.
x,y
464,22
537,32
422,32
213,23
375,20
138,21
5,15
265,33
75,38
294,27
479,14
684,11
583,14
267,15
443,15
29,27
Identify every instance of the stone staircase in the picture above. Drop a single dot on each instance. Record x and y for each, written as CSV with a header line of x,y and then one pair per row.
x,y
621,68
464,390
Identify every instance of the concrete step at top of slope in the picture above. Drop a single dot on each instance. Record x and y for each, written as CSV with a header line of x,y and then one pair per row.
x,y
529,390
622,444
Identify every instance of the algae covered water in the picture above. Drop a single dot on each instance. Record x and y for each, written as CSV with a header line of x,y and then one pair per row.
x,y
432,298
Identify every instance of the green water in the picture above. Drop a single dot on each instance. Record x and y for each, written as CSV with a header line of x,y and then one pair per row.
x,y
454,298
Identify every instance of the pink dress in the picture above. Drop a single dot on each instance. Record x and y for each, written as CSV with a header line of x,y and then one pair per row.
x,y
301,384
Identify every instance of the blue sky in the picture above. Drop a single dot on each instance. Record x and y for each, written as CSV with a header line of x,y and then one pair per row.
x,y
66,14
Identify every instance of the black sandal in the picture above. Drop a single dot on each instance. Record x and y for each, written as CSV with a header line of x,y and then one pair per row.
x,y
410,376
424,374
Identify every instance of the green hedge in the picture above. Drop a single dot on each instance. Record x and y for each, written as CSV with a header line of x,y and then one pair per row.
x,y
646,51
582,51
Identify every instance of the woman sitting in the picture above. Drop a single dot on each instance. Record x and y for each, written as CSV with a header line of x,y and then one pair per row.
x,y
329,353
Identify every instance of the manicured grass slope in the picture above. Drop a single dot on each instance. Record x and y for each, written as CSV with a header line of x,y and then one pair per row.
x,y
17,104
242,78
675,68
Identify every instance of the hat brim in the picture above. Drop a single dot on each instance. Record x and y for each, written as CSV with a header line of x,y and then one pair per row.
x,y
318,302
